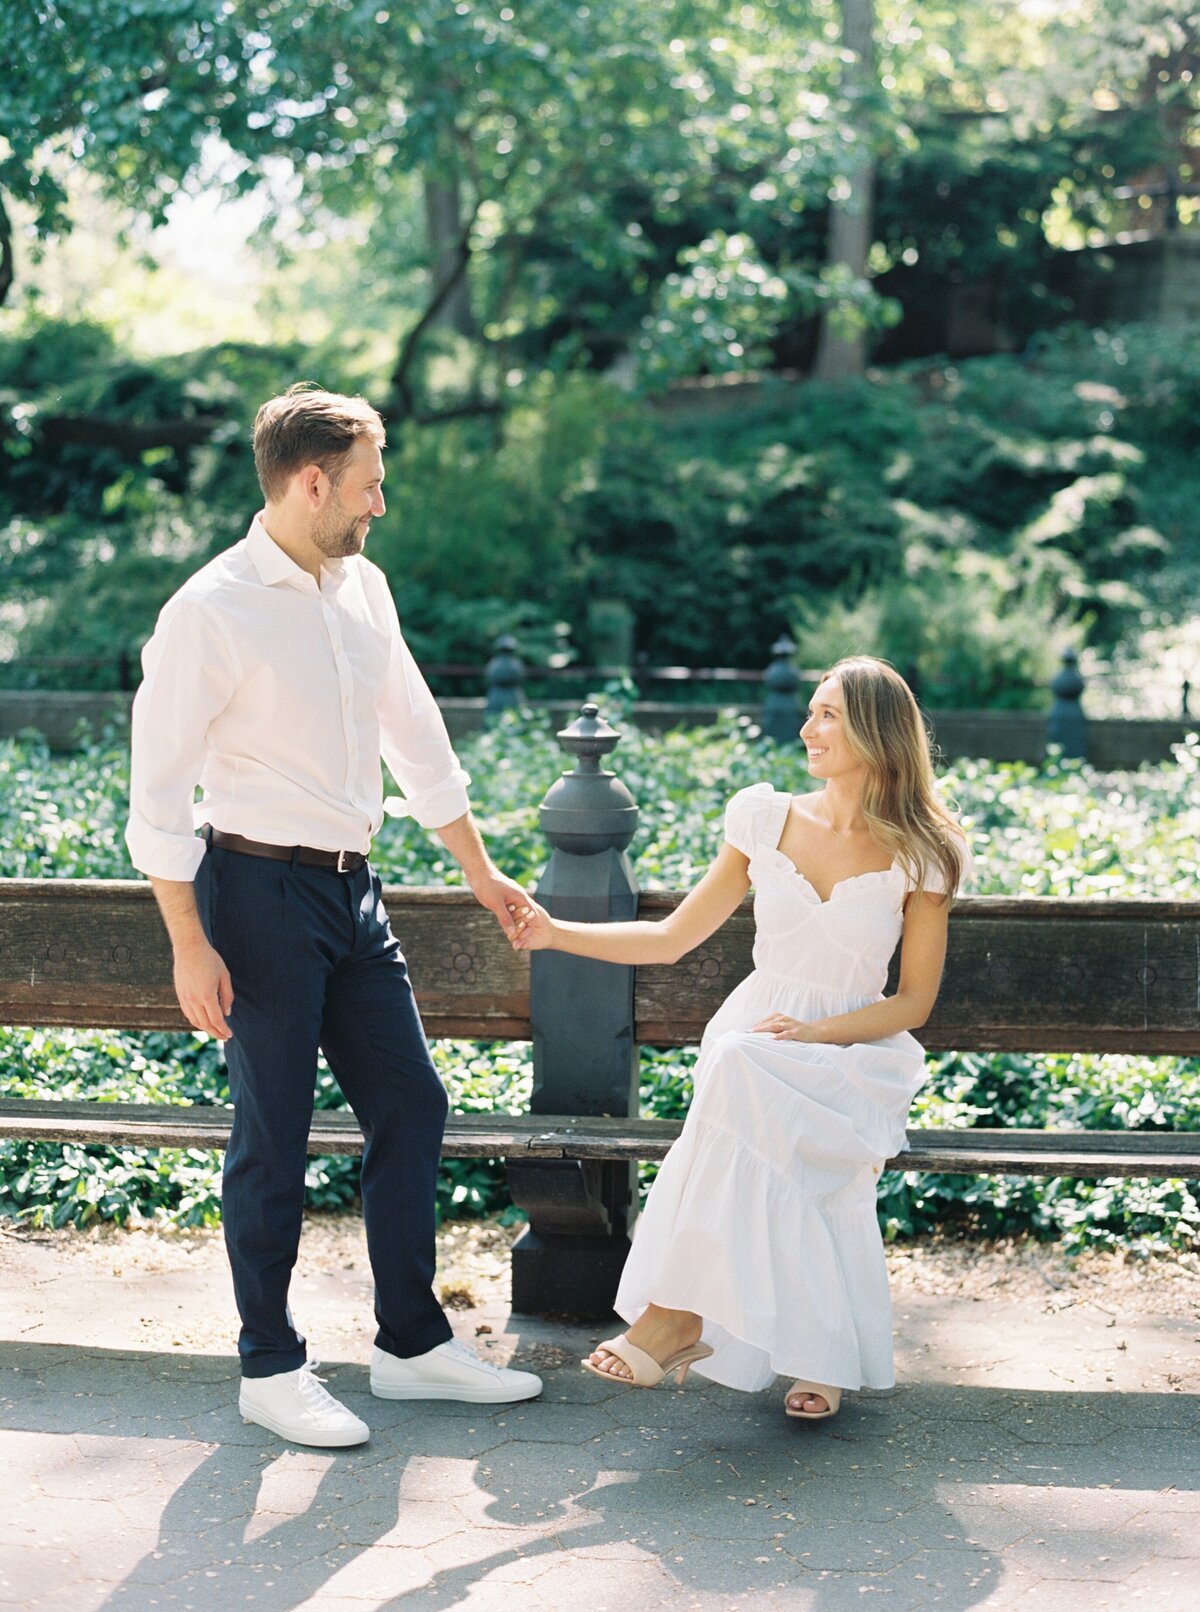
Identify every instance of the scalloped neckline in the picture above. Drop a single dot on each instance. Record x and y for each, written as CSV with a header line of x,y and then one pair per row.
x,y
853,878
780,796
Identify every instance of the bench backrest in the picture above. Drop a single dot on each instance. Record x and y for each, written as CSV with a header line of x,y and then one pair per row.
x,y
1028,975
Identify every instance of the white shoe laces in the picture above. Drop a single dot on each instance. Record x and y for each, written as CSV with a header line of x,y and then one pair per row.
x,y
317,1401
463,1352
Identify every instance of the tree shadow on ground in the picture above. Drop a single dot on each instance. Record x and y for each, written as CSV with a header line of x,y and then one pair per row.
x,y
932,1494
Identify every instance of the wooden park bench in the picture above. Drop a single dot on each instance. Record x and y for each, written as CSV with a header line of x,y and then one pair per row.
x,y
1024,975
1038,976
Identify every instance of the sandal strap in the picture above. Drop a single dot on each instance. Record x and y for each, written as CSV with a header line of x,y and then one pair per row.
x,y
646,1370
800,1390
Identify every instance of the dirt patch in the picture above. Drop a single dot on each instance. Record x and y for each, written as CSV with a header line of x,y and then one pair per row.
x,y
177,1281
1021,1268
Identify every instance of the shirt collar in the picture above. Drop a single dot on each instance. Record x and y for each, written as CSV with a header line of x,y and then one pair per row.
x,y
274,565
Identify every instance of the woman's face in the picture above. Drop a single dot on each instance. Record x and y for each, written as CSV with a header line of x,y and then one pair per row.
x,y
824,734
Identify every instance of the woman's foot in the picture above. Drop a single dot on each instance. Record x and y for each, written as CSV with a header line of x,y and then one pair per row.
x,y
812,1402
660,1333
807,1403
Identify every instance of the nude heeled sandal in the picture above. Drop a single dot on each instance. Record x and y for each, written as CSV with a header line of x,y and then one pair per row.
x,y
647,1372
832,1397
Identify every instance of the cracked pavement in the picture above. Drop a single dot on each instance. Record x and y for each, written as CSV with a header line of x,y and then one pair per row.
x,y
1032,1461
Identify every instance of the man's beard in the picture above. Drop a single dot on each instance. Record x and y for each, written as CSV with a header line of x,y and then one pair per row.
x,y
337,536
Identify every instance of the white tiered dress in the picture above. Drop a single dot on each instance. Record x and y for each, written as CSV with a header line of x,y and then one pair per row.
x,y
762,1218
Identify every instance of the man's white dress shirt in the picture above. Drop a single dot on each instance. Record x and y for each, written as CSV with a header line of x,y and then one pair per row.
x,y
277,696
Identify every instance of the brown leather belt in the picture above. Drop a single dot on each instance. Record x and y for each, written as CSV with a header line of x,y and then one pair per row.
x,y
336,861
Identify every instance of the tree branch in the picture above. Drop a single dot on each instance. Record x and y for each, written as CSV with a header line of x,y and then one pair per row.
x,y
130,437
472,409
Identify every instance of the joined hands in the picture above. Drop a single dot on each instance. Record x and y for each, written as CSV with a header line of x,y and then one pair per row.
x,y
532,926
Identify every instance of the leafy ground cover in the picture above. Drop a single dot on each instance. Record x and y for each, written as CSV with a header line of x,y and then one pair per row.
x,y
1064,829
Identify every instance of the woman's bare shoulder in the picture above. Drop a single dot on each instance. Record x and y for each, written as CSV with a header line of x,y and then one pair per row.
x,y
805,807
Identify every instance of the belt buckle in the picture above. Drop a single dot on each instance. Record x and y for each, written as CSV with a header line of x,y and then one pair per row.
x,y
339,867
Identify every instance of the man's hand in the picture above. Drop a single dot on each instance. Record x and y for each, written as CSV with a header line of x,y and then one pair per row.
x,y
204,988
202,981
491,889
501,896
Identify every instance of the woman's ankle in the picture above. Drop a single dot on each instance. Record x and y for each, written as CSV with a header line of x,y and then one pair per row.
x,y
654,1318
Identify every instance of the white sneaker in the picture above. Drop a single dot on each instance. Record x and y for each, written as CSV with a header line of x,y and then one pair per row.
x,y
294,1405
450,1371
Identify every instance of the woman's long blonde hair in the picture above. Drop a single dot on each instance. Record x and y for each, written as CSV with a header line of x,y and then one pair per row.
x,y
885,730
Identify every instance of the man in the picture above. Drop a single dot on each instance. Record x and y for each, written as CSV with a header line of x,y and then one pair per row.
x,y
275,678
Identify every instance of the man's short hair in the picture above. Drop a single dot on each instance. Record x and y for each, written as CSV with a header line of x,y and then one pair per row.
x,y
309,426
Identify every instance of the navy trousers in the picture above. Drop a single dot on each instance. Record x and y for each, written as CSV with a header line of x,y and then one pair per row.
x,y
314,964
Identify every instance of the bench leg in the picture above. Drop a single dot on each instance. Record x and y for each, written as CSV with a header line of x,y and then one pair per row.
x,y
568,1260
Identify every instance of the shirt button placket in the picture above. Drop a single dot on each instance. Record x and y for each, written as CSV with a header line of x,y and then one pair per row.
x,y
346,686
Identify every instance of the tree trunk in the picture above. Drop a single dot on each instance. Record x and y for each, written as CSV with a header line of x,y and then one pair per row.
x,y
7,270
444,233
851,221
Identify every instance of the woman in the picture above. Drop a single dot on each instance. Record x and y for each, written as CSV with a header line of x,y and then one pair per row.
x,y
759,1251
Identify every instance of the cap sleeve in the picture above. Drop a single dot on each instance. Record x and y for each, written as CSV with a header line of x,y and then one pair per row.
x,y
755,815
935,882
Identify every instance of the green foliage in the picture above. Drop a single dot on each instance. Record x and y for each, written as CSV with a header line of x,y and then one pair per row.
x,y
1064,829
1050,1093
51,1184
103,515
725,309
86,79
598,160
498,518
969,637
902,511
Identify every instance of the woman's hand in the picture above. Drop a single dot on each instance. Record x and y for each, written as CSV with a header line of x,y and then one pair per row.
x,y
534,927
781,1028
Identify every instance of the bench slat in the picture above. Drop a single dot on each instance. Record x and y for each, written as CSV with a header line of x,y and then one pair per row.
x,y
1165,1155
87,952
1021,976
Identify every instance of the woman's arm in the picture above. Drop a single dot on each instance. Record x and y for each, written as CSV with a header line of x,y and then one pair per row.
x,y
922,954
700,914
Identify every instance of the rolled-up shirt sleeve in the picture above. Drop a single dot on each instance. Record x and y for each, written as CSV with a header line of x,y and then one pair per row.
x,y
189,675
414,741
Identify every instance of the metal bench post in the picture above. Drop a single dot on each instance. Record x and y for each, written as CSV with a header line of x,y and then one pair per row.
x,y
505,674
1066,725
585,1059
780,709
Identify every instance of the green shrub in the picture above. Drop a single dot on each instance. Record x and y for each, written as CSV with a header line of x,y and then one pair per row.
x,y
970,639
1061,829
1057,1092
1070,466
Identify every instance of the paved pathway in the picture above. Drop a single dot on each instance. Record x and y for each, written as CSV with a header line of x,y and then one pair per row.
x,y
1031,1460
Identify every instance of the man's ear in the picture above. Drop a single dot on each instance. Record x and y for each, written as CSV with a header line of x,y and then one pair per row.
x,y
312,481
